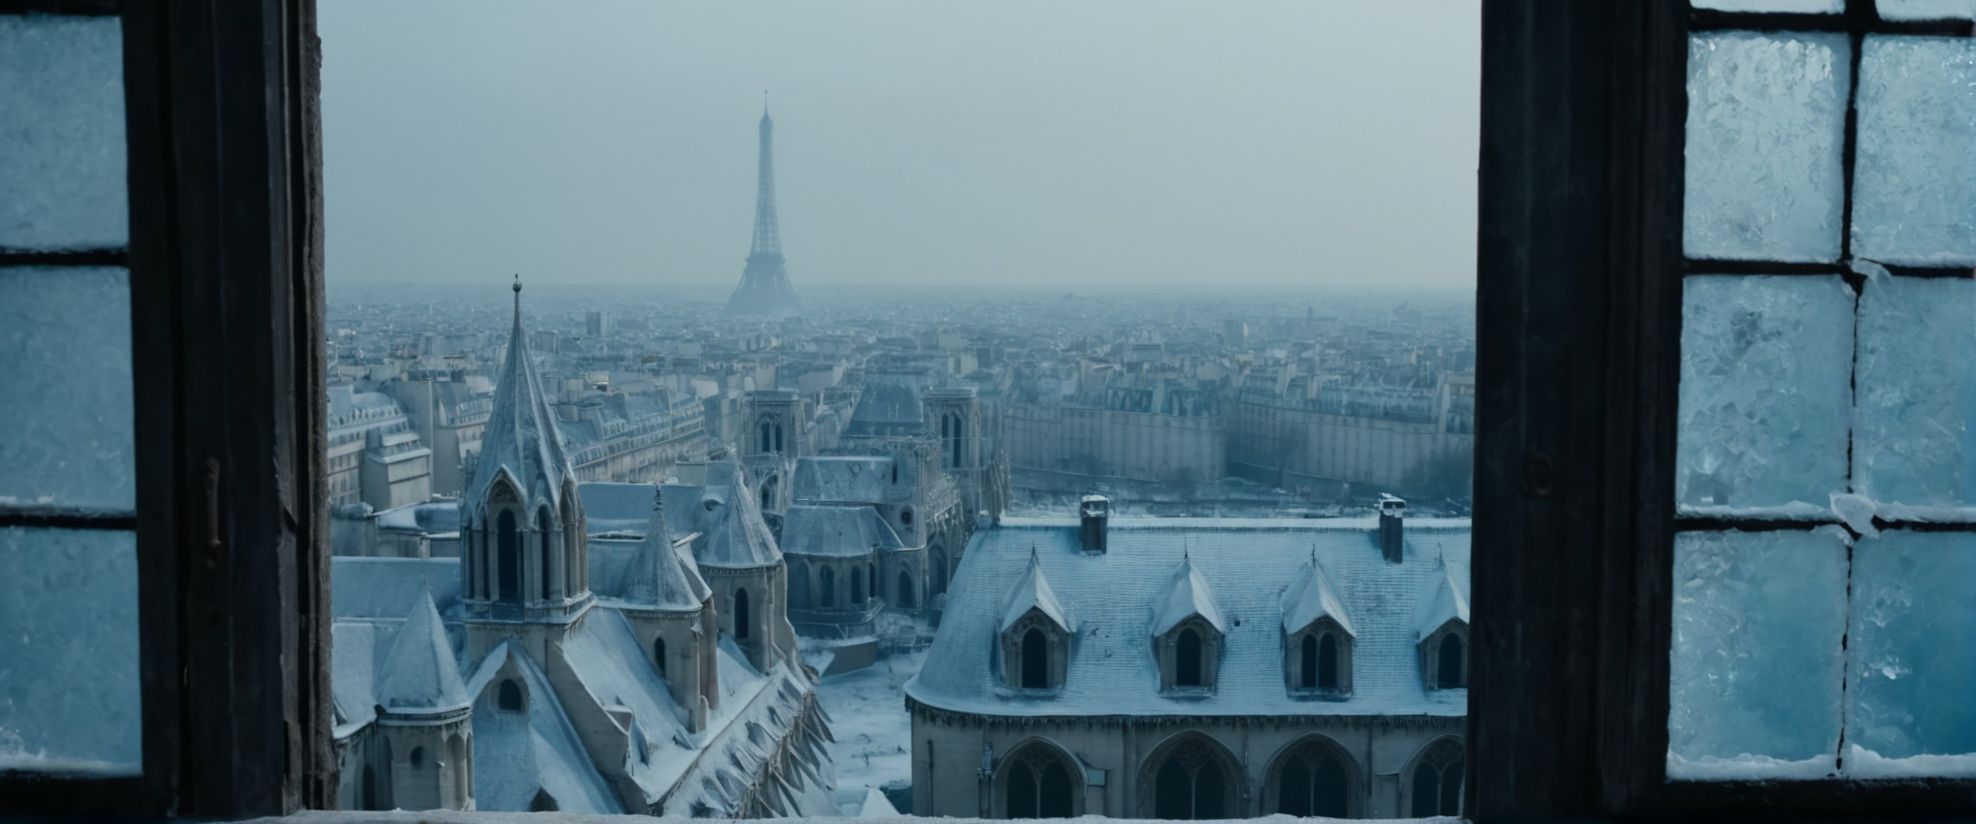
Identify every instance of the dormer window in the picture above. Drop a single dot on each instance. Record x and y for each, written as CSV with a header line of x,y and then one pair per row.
x,y
509,697
1187,631
1035,633
1441,626
1317,636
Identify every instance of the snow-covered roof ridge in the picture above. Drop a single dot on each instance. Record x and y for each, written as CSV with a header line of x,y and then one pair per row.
x,y
521,439
1444,600
1311,597
1187,595
658,578
420,675
1032,591
732,532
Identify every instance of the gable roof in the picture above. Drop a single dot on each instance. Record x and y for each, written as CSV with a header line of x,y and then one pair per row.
x,y
1443,599
1187,595
1032,591
836,530
724,514
1311,597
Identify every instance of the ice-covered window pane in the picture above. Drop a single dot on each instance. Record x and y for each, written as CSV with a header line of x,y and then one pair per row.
x,y
1798,6
1916,397
1927,9
69,696
1913,642
62,161
65,388
1765,402
1766,122
1756,662
1914,181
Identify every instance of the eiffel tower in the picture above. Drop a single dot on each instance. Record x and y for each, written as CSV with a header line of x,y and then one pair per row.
x,y
764,288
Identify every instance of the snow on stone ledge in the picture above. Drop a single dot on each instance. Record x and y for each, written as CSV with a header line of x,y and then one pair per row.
x,y
1864,763
1746,766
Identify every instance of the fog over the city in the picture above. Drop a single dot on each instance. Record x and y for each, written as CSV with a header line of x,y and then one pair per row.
x,y
1043,144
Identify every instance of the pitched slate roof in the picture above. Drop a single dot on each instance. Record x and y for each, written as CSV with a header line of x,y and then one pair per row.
x,y
836,530
845,479
420,675
724,513
1250,565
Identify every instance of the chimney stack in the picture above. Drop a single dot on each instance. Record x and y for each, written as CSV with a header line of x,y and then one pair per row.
x,y
1093,513
1392,528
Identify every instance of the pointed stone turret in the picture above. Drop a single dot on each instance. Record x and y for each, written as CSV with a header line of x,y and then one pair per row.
x,y
659,579
420,674
1187,595
1032,592
521,440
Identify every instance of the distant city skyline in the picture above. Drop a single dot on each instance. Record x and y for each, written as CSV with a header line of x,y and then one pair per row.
x,y
1081,147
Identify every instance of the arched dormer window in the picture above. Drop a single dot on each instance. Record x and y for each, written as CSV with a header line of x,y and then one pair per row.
x,y
1188,632
1327,663
1451,668
1035,633
1317,636
1187,659
1307,668
1441,623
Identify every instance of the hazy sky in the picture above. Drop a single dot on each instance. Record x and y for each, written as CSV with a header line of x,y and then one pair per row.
x,y
1059,143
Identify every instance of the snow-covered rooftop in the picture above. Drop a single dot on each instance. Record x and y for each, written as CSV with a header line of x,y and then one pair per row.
x,y
1250,565
835,529
521,441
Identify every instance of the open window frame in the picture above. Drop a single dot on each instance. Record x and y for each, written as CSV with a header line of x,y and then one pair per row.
x,y
225,263
1580,273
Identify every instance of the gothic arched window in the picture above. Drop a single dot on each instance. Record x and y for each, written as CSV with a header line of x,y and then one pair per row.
x,y
659,655
1448,669
1327,662
829,589
1312,779
741,611
508,556
1307,662
543,526
1037,784
937,559
1035,660
1191,784
1187,659
905,590
1437,778
857,589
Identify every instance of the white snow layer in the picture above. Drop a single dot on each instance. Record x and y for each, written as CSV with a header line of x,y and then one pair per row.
x,y
1032,591
1311,597
1187,595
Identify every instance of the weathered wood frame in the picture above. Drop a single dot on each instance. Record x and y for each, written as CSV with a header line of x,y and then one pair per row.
x,y
1579,311
225,261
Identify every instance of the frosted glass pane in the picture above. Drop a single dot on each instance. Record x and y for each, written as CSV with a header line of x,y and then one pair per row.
x,y
69,697
65,388
1756,662
1927,9
1914,182
1916,396
1766,122
1913,640
1799,6
62,155
1765,401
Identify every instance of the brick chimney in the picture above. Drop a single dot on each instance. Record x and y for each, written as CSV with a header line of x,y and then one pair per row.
x,y
1093,513
1392,528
